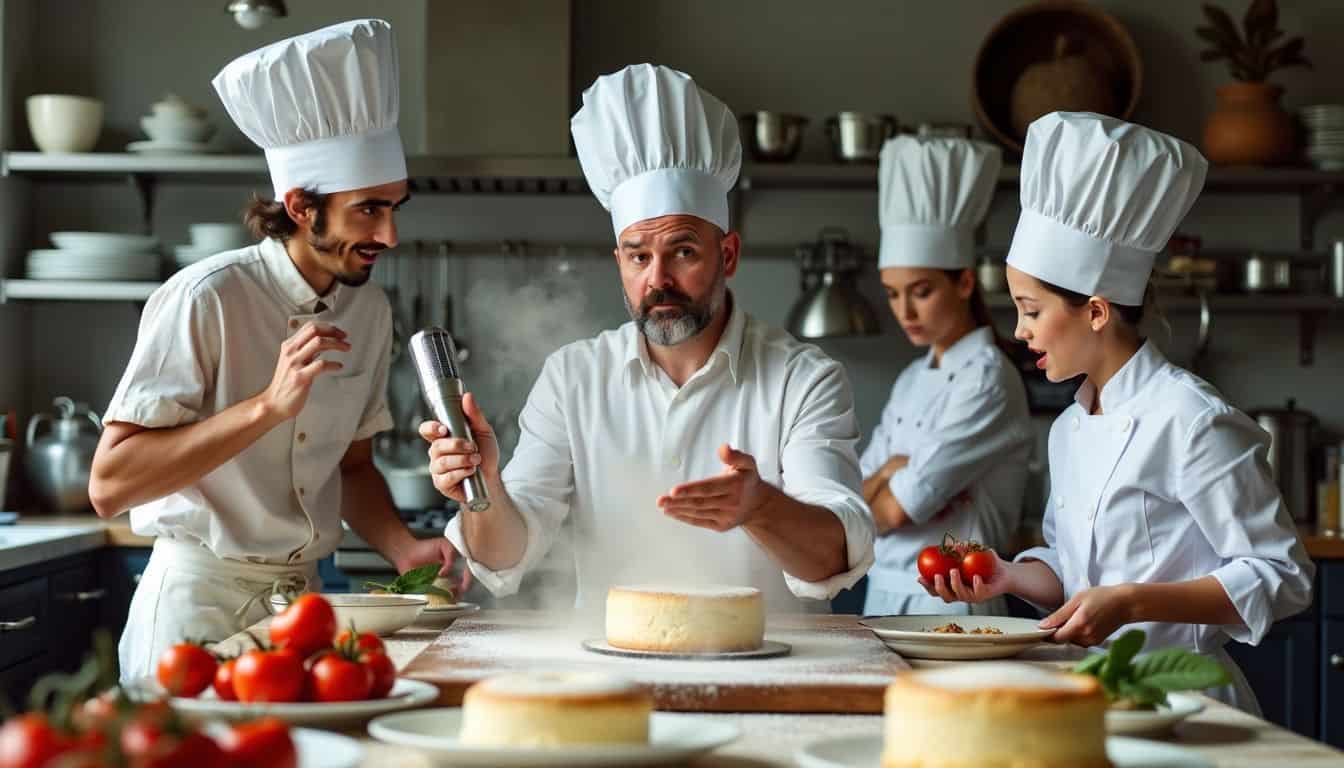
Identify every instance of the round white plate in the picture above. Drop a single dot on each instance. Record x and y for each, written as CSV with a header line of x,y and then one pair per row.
x,y
108,243
673,739
866,752
169,147
909,636
768,650
379,614
1153,722
442,616
405,694
316,749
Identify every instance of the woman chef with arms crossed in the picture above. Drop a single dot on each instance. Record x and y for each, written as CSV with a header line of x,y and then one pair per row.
x,y
1162,513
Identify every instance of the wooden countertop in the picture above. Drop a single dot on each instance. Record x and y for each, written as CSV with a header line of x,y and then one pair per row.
x,y
1226,736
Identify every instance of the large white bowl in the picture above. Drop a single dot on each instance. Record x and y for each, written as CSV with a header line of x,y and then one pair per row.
x,y
104,243
380,614
218,237
61,123
174,128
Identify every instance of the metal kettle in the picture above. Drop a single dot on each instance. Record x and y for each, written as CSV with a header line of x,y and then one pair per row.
x,y
1291,433
60,457
831,304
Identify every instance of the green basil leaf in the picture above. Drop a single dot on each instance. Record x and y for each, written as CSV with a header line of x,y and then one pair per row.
x,y
1177,669
1090,665
1141,693
416,580
1122,652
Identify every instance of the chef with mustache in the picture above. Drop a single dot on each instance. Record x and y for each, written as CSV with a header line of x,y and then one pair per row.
x,y
695,435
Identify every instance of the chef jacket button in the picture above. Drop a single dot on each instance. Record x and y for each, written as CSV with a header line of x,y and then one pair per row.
x,y
899,419
293,325
919,423
1059,502
303,436
951,376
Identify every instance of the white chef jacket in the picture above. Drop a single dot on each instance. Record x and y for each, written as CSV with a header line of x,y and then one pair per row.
x,y
1171,484
210,338
605,432
966,427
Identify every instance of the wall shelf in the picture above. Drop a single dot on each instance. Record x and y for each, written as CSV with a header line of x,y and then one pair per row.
x,y
75,290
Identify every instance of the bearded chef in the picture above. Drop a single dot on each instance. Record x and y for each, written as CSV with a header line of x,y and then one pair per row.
x,y
240,435
695,442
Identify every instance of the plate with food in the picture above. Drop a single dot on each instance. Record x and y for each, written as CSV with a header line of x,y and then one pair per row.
x,y
865,751
405,694
1143,689
940,636
442,606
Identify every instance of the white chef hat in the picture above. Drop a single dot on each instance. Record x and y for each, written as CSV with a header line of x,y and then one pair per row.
x,y
652,143
323,106
932,194
1100,199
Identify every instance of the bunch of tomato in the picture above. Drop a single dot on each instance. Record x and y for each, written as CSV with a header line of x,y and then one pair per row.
x,y
111,731
306,661
970,558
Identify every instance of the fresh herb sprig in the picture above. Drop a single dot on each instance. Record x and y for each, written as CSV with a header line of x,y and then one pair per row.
x,y
1143,683
417,581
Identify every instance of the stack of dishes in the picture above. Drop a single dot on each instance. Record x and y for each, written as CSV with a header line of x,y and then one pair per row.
x,y
96,256
174,127
1325,135
210,238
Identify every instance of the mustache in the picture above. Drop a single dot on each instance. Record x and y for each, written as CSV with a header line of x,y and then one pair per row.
x,y
664,296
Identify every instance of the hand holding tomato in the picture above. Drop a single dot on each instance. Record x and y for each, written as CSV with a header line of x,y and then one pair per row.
x,y
962,571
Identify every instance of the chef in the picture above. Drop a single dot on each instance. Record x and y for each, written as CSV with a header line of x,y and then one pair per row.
x,y
240,434
694,444
949,452
1162,513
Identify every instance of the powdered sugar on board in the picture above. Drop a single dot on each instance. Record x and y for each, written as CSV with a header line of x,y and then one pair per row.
x,y
832,659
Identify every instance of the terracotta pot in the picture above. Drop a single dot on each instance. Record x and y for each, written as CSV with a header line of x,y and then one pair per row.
x,y
1249,127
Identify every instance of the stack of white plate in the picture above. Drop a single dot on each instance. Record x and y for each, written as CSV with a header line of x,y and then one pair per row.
x,y
95,256
209,238
1325,135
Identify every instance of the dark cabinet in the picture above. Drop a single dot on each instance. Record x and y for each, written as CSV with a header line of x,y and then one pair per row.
x,y
1283,672
1332,682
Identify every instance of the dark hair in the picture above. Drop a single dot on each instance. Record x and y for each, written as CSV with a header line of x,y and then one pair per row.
x,y
980,308
1130,314
268,218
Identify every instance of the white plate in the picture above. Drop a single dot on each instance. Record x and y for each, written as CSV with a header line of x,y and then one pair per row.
x,y
109,243
906,636
769,649
866,752
379,614
673,739
169,147
405,694
442,616
1153,722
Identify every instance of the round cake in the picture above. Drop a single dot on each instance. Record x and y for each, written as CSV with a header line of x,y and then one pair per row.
x,y
685,619
542,710
994,715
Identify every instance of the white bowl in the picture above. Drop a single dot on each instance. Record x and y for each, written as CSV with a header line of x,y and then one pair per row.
x,y
380,614
104,243
172,128
219,236
62,123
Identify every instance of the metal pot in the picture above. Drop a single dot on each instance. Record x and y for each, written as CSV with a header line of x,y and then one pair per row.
x,y
992,276
1265,275
773,137
858,136
59,461
1291,433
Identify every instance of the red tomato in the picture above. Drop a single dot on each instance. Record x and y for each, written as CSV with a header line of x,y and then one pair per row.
x,y
384,673
29,741
186,669
272,676
223,682
147,746
307,625
335,678
978,562
263,743
935,561
366,641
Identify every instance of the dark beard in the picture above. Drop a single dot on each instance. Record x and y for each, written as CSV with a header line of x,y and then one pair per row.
x,y
338,250
669,327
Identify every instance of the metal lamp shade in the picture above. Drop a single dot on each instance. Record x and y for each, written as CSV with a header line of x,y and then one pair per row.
x,y
832,307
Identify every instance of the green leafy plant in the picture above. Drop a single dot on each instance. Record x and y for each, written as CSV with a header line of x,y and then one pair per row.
x,y
417,581
1251,57
1143,683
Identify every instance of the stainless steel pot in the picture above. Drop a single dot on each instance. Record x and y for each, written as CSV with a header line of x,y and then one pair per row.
x,y
773,137
59,459
1267,274
1291,433
858,136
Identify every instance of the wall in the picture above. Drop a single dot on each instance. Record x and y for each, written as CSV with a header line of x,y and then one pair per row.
x,y
911,58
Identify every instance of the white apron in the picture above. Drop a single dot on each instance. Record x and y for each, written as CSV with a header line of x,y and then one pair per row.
x,y
187,593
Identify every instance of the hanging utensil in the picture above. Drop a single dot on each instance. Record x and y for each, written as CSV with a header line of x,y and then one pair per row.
x,y
463,348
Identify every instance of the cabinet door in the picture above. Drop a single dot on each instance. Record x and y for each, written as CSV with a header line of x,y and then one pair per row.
x,y
1332,682
1283,672
1331,590
77,599
23,621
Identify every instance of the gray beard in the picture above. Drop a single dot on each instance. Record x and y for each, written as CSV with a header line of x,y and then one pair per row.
x,y
685,325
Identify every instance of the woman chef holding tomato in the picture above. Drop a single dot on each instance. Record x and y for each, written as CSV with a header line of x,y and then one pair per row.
x,y
1163,513
949,452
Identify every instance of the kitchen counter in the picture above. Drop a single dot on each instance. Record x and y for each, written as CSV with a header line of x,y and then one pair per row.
x,y
1226,736
116,532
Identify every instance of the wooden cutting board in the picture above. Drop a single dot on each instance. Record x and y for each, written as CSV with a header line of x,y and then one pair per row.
x,y
836,666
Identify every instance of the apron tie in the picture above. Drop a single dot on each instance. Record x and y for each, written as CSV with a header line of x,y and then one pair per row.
x,y
289,585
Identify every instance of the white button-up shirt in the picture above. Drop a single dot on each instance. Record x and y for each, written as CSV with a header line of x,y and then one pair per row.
x,y
605,432
965,426
1171,484
210,338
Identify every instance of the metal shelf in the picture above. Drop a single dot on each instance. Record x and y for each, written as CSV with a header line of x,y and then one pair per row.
x,y
75,290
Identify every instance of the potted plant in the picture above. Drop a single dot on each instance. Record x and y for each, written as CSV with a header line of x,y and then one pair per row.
x,y
1249,126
